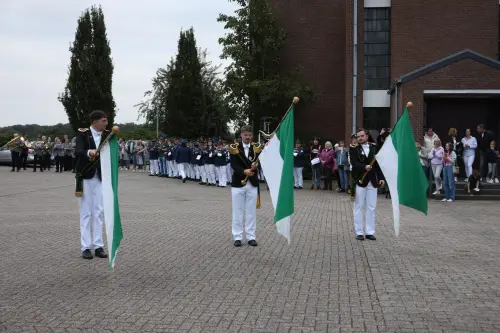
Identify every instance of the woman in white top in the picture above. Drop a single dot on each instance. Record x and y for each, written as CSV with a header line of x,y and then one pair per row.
x,y
470,145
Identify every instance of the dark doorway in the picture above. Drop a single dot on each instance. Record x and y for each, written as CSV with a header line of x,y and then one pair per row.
x,y
462,112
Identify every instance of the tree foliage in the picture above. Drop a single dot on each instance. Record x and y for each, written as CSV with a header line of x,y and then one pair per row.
x,y
187,95
90,73
31,131
255,84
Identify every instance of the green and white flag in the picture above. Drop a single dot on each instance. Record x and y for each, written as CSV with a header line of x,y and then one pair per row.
x,y
112,221
399,161
277,163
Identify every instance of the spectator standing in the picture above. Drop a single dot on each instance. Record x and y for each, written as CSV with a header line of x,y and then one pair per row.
x,y
298,165
484,139
449,159
470,144
492,158
436,156
327,159
314,152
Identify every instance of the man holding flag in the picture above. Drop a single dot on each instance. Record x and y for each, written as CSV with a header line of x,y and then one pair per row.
x,y
97,186
366,177
245,186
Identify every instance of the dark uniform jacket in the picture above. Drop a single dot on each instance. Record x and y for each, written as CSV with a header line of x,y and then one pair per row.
x,y
299,157
85,142
220,157
196,151
239,162
359,161
183,154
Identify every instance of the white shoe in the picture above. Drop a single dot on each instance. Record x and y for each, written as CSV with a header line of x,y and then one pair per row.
x,y
449,200
456,179
444,200
466,180
496,180
490,181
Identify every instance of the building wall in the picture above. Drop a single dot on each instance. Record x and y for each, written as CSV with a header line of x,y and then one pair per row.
x,y
465,74
316,45
320,39
424,31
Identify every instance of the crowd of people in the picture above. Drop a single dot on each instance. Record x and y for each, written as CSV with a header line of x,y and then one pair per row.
x,y
445,163
207,161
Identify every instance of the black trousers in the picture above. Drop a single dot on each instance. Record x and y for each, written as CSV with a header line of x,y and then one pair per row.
x,y
38,159
59,163
23,161
68,161
16,156
46,161
328,178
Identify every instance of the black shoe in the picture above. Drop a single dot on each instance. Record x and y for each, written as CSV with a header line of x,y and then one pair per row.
x,y
360,237
237,243
184,180
12,170
370,237
252,242
87,254
100,253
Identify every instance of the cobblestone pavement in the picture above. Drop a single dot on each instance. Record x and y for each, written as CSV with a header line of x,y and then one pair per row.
x,y
178,271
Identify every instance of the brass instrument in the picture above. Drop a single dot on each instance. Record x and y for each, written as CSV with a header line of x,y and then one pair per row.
x,y
14,144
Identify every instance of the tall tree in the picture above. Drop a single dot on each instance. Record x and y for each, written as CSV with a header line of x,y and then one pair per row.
x,y
188,95
185,93
254,82
90,74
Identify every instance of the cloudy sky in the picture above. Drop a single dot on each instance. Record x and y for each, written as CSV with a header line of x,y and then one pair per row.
x,y
35,36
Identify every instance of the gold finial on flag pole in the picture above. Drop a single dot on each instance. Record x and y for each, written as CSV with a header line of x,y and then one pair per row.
x,y
409,104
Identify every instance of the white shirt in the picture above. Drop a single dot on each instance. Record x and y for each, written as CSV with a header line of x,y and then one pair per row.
x,y
366,148
96,136
246,147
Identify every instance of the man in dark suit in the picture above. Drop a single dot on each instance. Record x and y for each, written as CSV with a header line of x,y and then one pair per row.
x,y
245,184
89,187
361,156
483,141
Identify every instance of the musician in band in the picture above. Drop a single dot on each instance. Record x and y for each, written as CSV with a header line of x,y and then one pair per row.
x,y
14,146
88,175
367,177
245,186
38,147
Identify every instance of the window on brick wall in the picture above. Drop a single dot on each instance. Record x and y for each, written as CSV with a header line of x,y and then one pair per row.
x,y
376,118
377,62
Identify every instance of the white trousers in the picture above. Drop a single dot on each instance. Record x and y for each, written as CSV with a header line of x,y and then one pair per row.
x,y
197,171
170,168
176,169
222,175
298,177
210,170
203,174
90,205
182,169
365,196
154,167
229,173
436,171
468,161
244,207
190,171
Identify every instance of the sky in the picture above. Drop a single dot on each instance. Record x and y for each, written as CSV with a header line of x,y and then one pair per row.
x,y
35,37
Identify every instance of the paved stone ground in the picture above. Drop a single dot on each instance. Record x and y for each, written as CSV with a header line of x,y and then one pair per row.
x,y
178,271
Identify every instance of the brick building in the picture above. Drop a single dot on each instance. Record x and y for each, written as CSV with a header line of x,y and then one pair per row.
x,y
441,55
